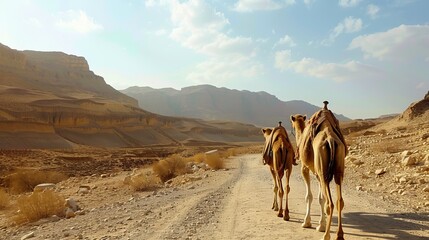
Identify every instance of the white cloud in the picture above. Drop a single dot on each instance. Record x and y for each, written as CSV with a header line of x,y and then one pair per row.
x,y
309,2
403,43
348,3
261,5
286,40
348,25
282,59
77,21
339,72
372,10
198,26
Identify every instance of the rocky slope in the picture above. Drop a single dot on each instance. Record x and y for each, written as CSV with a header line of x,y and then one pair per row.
x,y
391,159
53,100
212,103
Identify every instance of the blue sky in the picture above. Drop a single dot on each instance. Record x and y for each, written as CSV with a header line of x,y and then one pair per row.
x,y
367,58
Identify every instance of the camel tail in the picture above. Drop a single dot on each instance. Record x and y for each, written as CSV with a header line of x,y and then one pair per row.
x,y
331,165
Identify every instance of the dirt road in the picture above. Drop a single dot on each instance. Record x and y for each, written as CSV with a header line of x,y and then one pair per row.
x,y
231,204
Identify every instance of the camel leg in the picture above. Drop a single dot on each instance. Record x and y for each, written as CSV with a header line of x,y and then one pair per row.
x,y
340,206
280,193
308,197
287,190
322,221
275,206
329,210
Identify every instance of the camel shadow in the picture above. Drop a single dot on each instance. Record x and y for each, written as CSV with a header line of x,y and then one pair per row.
x,y
388,226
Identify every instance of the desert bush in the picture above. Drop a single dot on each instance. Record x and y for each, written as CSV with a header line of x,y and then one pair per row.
x,y
25,180
142,182
4,199
170,167
197,158
215,161
39,205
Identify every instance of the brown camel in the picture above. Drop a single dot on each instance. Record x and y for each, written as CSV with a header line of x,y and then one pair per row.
x,y
321,148
280,156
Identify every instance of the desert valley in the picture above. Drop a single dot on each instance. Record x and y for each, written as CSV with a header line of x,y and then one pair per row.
x,y
146,163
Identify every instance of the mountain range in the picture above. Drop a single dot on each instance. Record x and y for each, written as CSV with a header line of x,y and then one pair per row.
x,y
54,100
213,103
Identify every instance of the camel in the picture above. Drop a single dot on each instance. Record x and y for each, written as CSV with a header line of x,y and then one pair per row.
x,y
280,156
321,148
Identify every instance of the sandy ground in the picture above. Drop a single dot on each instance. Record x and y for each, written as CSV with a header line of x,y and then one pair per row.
x,y
226,204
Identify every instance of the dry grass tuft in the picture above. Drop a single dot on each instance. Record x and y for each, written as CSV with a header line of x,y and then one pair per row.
x,y
143,182
197,158
25,180
170,167
39,205
4,199
215,161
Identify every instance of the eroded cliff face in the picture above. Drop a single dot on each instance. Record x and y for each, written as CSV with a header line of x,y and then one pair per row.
x,y
54,71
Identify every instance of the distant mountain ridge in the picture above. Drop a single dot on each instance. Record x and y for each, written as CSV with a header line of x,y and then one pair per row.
x,y
213,103
54,100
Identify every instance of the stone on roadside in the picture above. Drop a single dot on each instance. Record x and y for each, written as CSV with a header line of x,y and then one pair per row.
x,y
70,213
71,203
27,236
84,189
408,161
43,186
380,171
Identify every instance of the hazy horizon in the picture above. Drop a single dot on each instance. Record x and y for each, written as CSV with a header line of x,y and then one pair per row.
x,y
368,58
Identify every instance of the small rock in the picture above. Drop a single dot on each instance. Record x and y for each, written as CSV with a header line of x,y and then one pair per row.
x,y
359,188
70,213
426,204
405,154
380,171
104,175
403,180
426,189
408,161
43,186
27,236
71,203
84,189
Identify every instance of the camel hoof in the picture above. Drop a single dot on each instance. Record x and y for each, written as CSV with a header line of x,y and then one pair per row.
x,y
320,228
280,215
306,225
286,218
327,237
276,209
339,238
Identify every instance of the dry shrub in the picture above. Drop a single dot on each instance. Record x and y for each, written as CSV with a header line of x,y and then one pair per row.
x,y
197,158
215,161
142,182
25,180
170,167
4,199
39,205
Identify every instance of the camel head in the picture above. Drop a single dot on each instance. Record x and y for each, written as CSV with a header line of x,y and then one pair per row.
x,y
266,132
298,124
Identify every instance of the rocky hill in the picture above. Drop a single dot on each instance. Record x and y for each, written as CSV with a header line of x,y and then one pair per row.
x,y
53,100
212,103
